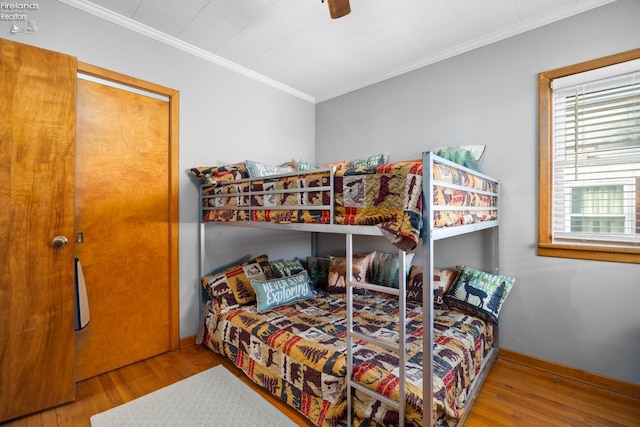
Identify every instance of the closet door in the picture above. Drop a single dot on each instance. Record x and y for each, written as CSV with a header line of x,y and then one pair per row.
x,y
124,221
37,130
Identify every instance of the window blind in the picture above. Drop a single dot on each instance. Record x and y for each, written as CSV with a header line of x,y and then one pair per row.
x,y
596,158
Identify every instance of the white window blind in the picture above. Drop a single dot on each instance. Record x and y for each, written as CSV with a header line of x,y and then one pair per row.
x,y
596,157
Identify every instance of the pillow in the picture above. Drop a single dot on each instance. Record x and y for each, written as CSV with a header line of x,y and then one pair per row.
x,y
305,166
377,160
318,269
386,266
442,281
257,169
477,150
214,174
278,292
286,267
232,287
460,156
360,267
345,164
479,293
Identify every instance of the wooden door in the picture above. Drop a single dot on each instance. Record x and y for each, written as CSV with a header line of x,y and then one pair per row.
x,y
125,217
37,131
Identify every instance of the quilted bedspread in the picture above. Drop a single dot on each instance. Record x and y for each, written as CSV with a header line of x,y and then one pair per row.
x,y
297,352
388,195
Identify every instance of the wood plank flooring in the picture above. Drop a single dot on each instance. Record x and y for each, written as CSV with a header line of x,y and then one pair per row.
x,y
512,395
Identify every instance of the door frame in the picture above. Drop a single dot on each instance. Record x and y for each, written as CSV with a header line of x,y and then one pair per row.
x,y
174,108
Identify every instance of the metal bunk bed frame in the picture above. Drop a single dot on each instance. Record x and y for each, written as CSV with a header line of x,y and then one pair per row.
x,y
429,235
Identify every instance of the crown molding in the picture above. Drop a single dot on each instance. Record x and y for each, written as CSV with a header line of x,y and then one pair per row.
x,y
147,31
497,36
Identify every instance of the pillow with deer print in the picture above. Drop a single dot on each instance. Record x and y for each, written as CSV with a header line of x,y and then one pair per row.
x,y
479,293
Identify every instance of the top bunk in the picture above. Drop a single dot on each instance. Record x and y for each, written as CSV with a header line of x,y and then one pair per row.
x,y
379,199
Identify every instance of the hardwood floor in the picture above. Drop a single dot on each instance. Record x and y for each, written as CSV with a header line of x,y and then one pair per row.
x,y
518,395
512,395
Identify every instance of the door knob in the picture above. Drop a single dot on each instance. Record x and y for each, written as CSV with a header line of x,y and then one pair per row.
x,y
59,242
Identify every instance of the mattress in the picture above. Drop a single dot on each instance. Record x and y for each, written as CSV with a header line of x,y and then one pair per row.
x,y
297,353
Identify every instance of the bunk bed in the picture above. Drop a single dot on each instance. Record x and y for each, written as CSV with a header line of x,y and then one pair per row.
x,y
353,357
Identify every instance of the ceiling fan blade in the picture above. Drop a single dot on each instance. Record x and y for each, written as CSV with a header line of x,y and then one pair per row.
x,y
339,8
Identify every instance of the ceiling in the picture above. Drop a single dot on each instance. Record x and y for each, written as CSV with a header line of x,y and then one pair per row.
x,y
294,44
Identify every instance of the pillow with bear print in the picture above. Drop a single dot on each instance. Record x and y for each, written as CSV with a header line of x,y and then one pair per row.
x,y
442,281
232,287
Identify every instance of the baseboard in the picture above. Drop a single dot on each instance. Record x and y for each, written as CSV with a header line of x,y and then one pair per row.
x,y
612,384
187,341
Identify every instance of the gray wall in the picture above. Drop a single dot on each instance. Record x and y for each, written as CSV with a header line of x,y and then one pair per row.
x,y
224,117
578,313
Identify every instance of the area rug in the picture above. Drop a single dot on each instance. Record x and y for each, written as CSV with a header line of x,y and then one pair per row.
x,y
214,397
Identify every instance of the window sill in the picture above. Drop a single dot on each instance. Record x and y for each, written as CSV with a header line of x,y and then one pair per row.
x,y
592,253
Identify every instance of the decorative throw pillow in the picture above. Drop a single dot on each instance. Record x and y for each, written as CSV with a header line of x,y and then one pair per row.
x,y
286,267
386,266
377,160
305,166
461,156
360,267
278,292
479,293
232,287
215,174
477,150
345,164
318,269
442,281
257,169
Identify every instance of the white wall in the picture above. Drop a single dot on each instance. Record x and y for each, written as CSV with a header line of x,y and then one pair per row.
x,y
578,313
224,117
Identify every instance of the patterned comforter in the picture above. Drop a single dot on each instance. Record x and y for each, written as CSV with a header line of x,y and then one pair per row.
x,y
388,195
297,352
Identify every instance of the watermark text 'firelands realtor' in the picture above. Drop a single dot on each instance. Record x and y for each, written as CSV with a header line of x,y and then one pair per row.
x,y
10,11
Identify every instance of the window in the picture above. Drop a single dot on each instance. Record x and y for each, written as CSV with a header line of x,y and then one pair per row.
x,y
589,160
596,210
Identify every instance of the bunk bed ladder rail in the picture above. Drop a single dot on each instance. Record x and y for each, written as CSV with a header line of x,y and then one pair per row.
x,y
399,348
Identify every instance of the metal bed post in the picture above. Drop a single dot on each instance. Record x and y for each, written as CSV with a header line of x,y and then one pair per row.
x,y
427,292
496,234
402,335
349,296
201,248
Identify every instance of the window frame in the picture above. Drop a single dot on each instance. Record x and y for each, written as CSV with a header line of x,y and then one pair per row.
x,y
546,246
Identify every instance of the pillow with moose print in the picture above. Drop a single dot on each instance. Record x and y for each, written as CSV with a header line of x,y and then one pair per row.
x,y
360,266
479,293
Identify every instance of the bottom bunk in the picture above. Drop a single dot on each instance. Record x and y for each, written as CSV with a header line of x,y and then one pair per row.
x,y
297,353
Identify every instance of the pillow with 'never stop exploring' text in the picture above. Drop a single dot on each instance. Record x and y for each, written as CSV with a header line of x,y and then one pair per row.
x,y
278,292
